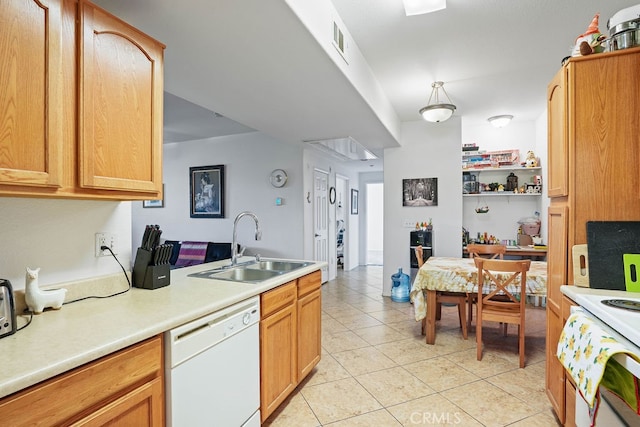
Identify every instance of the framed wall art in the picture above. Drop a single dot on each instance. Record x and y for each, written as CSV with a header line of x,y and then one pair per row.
x,y
159,203
354,202
206,184
420,192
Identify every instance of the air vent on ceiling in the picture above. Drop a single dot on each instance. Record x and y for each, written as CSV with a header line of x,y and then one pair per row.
x,y
339,41
346,149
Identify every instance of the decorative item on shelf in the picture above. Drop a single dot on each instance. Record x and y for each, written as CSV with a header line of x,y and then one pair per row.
x,y
482,209
512,182
531,161
38,299
532,188
500,121
437,112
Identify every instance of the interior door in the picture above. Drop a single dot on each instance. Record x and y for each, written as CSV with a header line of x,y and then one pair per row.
x,y
320,220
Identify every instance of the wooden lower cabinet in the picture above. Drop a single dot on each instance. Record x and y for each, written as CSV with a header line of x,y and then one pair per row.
x,y
290,338
309,324
125,388
277,347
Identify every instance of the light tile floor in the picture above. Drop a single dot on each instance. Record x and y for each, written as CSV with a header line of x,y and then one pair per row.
x,y
377,370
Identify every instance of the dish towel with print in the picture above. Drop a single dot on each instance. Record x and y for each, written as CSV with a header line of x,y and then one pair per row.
x,y
191,253
586,350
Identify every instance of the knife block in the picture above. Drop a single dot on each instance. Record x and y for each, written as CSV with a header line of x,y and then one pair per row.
x,y
148,276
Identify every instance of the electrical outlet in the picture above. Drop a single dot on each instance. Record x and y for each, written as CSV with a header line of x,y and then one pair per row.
x,y
105,239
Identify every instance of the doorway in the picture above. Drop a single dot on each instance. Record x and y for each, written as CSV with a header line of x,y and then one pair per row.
x,y
342,206
374,223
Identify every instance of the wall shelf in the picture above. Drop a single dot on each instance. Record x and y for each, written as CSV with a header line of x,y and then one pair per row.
x,y
502,168
501,193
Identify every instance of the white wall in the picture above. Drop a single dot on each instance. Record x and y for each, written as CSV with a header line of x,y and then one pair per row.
x,y
429,150
248,159
542,151
58,237
504,211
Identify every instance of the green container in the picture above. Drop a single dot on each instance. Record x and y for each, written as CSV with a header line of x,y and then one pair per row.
x,y
631,272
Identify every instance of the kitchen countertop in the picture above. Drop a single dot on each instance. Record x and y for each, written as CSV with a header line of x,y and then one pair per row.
x,y
57,341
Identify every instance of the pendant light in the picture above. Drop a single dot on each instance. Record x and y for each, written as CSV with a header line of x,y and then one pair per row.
x,y
437,112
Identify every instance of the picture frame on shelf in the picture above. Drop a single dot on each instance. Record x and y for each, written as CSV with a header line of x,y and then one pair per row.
x,y
206,189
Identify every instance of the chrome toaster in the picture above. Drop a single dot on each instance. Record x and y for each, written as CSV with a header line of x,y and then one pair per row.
x,y
7,309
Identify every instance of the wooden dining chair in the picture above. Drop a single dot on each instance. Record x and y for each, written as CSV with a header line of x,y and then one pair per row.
x,y
501,304
483,251
486,251
448,298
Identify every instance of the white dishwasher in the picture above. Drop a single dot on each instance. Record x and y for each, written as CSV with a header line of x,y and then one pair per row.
x,y
213,369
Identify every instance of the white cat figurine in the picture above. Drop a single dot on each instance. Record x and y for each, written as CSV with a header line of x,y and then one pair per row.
x,y
37,299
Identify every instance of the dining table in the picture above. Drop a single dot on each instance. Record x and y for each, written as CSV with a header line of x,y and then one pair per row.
x,y
460,275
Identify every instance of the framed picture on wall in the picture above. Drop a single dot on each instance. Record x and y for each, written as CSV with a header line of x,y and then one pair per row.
x,y
354,202
206,185
420,192
159,203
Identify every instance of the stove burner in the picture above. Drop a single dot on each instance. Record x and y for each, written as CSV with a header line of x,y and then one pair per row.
x,y
622,303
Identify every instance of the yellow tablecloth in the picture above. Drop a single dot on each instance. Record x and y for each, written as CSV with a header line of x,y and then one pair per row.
x,y
460,275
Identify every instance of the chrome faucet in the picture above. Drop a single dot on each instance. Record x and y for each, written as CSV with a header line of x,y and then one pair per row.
x,y
234,244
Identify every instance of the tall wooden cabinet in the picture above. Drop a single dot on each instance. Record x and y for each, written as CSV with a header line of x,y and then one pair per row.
x,y
80,103
594,153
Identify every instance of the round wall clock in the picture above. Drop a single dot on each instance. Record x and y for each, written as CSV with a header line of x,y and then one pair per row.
x,y
278,178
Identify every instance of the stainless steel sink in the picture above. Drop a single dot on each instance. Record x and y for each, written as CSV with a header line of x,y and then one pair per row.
x,y
284,266
252,272
238,274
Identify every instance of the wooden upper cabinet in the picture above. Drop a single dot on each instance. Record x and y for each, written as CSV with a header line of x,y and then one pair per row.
x,y
558,157
30,88
120,105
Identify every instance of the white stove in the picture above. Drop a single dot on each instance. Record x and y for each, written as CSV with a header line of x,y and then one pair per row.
x,y
624,321
624,325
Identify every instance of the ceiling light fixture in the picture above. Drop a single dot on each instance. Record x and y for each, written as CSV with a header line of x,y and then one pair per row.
x,y
500,121
418,7
437,112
